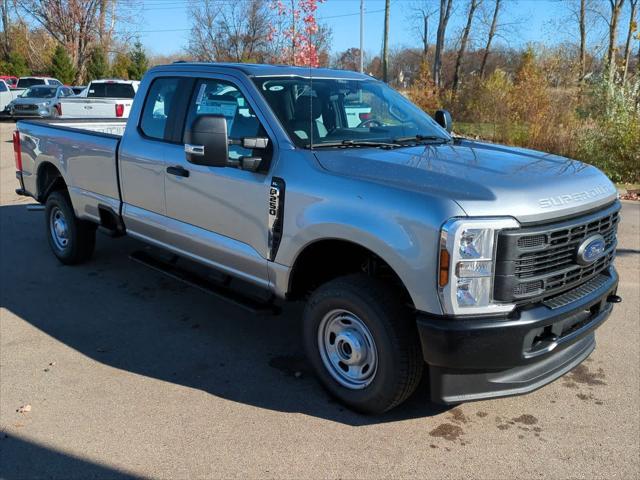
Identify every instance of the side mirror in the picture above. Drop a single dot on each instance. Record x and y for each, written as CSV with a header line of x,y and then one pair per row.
x,y
206,141
443,118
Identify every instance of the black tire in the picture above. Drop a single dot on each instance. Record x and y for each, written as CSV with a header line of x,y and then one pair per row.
x,y
79,236
378,306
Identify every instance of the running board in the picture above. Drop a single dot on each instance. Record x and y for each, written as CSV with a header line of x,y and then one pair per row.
x,y
171,265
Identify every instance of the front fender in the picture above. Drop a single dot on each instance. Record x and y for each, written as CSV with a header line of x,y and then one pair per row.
x,y
404,240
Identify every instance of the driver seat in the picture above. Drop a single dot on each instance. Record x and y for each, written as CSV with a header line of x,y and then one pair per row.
x,y
306,111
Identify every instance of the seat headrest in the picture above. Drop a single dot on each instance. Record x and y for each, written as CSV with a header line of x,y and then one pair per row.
x,y
307,108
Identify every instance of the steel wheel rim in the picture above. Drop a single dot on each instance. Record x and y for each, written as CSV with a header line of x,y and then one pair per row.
x,y
347,349
59,228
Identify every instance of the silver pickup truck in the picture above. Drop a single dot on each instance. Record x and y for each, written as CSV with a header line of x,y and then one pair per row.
x,y
415,251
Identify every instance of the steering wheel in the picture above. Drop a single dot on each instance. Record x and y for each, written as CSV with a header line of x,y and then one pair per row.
x,y
371,122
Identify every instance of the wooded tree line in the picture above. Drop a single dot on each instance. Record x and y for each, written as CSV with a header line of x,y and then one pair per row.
x,y
74,40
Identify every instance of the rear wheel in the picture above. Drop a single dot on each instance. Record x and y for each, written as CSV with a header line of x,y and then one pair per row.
x,y
363,344
72,240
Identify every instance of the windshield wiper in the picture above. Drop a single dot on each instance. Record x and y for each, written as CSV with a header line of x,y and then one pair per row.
x,y
422,138
353,143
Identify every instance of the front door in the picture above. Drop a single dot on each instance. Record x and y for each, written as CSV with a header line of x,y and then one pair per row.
x,y
219,215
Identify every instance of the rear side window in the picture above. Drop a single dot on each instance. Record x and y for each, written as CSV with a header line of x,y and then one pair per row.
x,y
3,87
29,82
53,81
158,107
111,90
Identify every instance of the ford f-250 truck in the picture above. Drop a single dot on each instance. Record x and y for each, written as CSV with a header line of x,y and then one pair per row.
x,y
491,266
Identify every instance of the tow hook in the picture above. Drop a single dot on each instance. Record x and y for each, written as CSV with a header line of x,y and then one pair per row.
x,y
614,299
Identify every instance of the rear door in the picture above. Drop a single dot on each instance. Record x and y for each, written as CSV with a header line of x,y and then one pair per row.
x,y
142,156
221,214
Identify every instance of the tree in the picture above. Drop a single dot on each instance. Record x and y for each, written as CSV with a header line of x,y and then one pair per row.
x,y
236,31
633,27
385,43
62,67
491,34
15,65
616,7
73,23
420,14
297,29
138,62
120,67
443,20
98,66
583,38
473,5
348,60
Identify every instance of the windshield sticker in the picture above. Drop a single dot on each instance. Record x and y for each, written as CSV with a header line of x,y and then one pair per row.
x,y
203,87
218,107
276,88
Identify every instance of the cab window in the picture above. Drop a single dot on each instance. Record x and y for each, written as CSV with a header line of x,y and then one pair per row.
x,y
215,97
157,108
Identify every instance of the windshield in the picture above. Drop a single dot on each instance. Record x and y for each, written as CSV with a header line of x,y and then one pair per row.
x,y
328,112
40,92
111,90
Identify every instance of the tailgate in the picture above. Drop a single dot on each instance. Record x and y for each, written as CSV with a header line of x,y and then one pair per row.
x,y
94,108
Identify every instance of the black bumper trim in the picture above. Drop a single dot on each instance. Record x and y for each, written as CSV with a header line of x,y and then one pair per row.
x,y
470,358
451,387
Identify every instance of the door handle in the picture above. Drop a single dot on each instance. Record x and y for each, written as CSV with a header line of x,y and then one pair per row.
x,y
178,171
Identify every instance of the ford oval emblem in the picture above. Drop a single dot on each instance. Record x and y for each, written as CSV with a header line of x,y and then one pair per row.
x,y
591,250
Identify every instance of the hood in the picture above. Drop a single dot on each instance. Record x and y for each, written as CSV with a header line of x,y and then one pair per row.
x,y
484,179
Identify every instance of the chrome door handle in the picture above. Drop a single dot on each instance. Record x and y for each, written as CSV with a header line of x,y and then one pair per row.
x,y
194,149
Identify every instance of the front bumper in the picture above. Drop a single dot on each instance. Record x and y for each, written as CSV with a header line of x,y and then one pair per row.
x,y
475,359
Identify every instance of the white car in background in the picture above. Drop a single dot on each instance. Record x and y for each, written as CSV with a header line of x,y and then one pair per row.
x,y
5,95
108,98
26,82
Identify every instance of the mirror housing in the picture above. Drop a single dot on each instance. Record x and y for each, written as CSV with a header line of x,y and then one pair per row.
x,y
206,141
443,118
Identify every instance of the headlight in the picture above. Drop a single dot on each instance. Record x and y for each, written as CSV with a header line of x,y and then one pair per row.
x,y
467,264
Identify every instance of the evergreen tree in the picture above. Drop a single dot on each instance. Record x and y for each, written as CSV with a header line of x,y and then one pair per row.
x,y
139,62
62,67
120,67
98,67
15,65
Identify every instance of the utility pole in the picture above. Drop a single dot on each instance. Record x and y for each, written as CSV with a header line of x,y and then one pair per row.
x,y
361,36
385,45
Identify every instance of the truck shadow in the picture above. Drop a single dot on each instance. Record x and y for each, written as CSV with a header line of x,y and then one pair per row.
x,y
21,458
124,315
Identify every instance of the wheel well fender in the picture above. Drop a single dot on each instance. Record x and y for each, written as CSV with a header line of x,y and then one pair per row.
x,y
323,260
49,179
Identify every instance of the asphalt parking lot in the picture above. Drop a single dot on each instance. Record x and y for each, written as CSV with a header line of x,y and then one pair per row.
x,y
130,373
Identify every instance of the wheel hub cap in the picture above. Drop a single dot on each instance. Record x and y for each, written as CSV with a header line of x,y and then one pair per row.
x,y
347,349
59,228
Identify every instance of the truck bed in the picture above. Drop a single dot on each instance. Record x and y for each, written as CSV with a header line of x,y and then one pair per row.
x,y
85,154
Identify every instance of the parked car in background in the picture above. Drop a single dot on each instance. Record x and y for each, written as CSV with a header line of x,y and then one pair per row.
x,y
10,80
26,82
5,96
109,98
39,101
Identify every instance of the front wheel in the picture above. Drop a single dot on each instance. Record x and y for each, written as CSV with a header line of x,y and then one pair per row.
x,y
363,343
72,240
